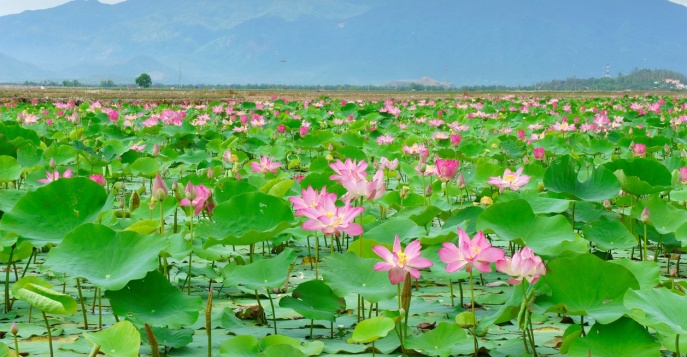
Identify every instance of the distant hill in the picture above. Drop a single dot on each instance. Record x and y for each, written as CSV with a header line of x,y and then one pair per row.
x,y
487,42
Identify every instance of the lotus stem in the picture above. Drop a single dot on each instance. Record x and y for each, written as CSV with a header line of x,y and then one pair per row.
x,y
190,256
450,288
155,348
83,305
94,351
28,262
317,256
274,314
7,280
208,321
646,256
100,308
47,325
677,345
474,317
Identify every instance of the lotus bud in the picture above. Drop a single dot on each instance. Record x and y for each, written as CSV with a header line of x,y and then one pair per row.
x,y
134,201
14,329
645,215
428,190
666,148
673,272
141,190
455,139
159,189
683,175
539,154
329,157
52,163
210,173
156,150
607,204
281,128
303,130
461,181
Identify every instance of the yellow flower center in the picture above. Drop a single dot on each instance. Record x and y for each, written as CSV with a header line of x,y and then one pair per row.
x,y
402,259
509,178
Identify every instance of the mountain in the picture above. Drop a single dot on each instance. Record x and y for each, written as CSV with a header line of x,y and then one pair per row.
x,y
509,42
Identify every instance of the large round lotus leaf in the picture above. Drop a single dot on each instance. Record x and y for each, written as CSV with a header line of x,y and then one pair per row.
x,y
264,273
230,187
8,198
385,232
10,169
62,154
539,202
240,346
372,329
119,340
647,273
246,219
313,348
20,252
659,309
665,217
44,298
360,277
609,234
641,176
546,235
622,338
434,342
281,351
575,282
47,214
145,167
314,300
108,259
169,337
155,301
562,176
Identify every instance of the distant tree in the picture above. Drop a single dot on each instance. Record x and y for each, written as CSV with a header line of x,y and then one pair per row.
x,y
107,84
144,80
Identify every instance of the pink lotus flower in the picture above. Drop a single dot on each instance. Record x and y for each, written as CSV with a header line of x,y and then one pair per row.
x,y
99,179
639,150
539,154
265,165
348,170
400,262
446,169
683,175
198,197
54,176
384,163
523,265
137,148
312,203
455,139
334,220
477,252
510,179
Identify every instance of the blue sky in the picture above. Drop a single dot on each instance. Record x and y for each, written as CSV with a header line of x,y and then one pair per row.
x,y
8,7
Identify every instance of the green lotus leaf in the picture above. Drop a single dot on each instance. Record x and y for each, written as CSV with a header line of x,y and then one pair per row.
x,y
621,338
433,343
385,232
119,340
641,176
562,176
10,169
282,350
108,259
246,219
609,234
664,216
349,274
372,329
264,273
169,337
313,348
45,299
659,309
155,301
47,214
144,167
240,346
575,282
314,300
546,235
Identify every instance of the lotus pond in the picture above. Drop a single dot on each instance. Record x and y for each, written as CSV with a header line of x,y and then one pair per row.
x,y
497,226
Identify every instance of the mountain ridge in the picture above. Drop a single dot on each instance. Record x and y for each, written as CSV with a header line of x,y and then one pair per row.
x,y
343,41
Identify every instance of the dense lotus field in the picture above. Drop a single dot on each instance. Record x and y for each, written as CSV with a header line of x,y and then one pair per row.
x,y
496,226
